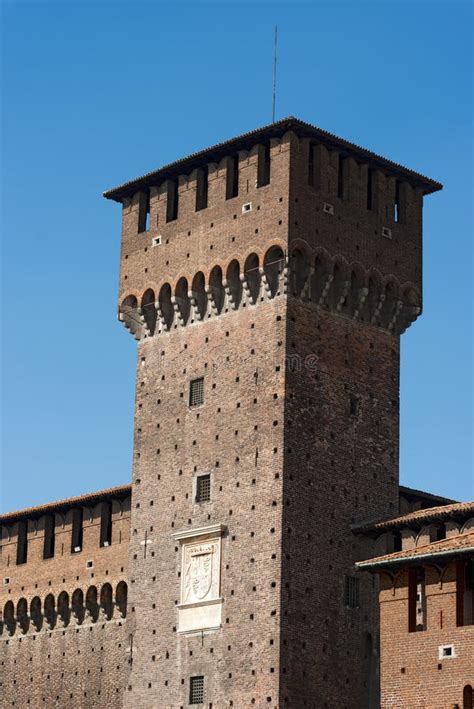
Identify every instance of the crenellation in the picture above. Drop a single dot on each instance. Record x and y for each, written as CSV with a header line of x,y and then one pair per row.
x,y
267,283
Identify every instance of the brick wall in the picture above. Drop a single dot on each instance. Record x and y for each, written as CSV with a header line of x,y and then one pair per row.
x,y
62,629
412,673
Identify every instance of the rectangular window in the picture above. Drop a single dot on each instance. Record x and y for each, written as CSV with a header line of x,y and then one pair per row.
x,y
106,524
354,405
203,488
370,188
232,177
311,164
201,188
49,537
416,600
76,537
263,165
22,543
143,212
340,177
351,592
196,690
172,198
464,592
397,207
196,392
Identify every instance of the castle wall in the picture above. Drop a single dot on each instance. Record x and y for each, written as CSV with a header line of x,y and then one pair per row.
x,y
236,435
62,628
413,673
341,466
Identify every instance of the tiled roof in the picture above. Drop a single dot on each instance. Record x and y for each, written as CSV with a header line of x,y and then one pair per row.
x,y
419,517
428,496
244,141
453,546
120,491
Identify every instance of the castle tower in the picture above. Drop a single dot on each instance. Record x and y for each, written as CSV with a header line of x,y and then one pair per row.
x,y
267,281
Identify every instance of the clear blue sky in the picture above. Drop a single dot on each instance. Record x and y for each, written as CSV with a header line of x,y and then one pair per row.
x,y
97,93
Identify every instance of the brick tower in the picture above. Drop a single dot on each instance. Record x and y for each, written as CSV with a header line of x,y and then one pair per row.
x,y
267,281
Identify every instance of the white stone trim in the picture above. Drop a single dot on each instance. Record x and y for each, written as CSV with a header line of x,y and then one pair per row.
x,y
214,530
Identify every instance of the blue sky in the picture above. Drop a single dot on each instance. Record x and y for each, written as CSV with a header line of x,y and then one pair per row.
x,y
97,93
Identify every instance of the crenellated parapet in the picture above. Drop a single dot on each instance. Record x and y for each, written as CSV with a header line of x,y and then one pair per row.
x,y
315,277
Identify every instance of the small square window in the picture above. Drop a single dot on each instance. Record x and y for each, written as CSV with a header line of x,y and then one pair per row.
x,y
196,690
351,592
196,392
445,651
203,488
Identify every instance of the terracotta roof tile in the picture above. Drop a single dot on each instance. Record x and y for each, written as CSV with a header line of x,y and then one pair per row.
x,y
98,495
442,512
460,544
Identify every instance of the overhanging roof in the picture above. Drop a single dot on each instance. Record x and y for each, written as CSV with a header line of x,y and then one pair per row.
x,y
274,130
418,518
120,491
459,545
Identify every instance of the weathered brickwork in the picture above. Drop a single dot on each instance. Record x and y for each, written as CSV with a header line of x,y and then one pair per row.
x,y
62,629
426,607
288,300
267,282
413,673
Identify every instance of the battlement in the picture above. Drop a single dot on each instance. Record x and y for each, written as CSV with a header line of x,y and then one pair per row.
x,y
288,202
65,561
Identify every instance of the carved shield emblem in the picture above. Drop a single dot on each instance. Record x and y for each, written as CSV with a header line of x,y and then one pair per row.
x,y
201,575
198,575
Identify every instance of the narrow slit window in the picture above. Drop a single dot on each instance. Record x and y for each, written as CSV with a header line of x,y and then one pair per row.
x,y
22,543
106,524
416,600
202,188
144,212
77,527
172,198
370,188
465,592
196,392
311,165
263,166
196,690
396,207
351,592
232,177
49,537
340,178
203,488
354,405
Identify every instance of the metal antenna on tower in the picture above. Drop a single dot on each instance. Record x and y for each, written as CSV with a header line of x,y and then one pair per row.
x,y
275,48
